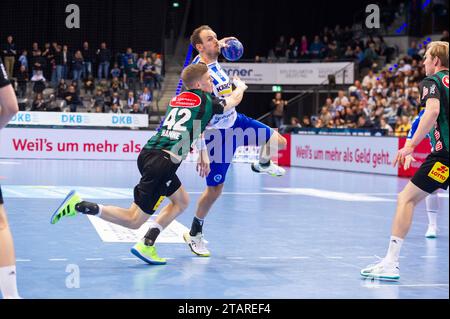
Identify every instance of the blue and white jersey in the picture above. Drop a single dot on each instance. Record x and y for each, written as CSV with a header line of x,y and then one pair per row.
x,y
222,87
415,125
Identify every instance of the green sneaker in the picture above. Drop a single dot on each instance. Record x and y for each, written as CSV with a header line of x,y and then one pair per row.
x,y
67,208
147,254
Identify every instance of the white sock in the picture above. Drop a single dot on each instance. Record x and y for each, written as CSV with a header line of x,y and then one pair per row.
x,y
8,282
432,204
100,208
156,225
393,253
432,218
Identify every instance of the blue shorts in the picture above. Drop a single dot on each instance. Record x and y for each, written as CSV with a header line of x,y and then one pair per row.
x,y
244,132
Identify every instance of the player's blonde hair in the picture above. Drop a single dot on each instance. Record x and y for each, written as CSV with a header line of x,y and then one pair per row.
x,y
195,37
439,49
192,74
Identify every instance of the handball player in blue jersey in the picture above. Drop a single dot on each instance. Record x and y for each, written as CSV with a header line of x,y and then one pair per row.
x,y
224,135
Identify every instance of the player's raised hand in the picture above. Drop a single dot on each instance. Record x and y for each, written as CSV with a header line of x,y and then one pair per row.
x,y
408,160
223,42
239,83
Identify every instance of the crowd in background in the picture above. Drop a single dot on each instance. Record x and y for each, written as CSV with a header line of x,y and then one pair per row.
x,y
57,78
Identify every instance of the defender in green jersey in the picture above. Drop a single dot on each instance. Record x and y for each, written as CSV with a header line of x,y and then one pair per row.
x,y
434,172
186,118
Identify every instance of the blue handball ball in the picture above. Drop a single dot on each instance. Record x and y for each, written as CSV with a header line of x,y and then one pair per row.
x,y
233,51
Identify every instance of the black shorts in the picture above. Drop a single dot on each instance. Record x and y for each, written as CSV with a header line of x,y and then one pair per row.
x,y
158,180
433,173
1,197
3,76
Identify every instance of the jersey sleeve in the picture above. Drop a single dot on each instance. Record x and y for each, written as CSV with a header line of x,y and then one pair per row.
x,y
218,105
429,90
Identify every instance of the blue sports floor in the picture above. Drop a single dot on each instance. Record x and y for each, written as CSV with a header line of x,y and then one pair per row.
x,y
305,235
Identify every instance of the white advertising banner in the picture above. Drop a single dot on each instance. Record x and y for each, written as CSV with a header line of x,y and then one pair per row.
x,y
290,73
347,153
72,143
80,119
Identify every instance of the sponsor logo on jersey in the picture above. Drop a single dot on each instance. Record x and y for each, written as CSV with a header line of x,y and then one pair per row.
x,y
437,135
186,99
438,146
445,81
439,172
217,178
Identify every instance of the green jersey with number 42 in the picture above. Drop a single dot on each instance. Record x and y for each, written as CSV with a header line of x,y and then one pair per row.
x,y
186,118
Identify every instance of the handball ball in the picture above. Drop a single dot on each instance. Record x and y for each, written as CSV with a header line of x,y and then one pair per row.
x,y
233,51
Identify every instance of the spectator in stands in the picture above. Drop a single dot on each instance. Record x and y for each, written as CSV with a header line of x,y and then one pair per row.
x,y
280,47
98,100
53,105
385,126
325,115
62,88
370,78
292,49
49,61
38,63
157,63
116,85
257,59
38,103
77,66
364,123
131,71
115,72
38,82
23,59
72,99
295,122
277,106
130,100
349,54
136,109
413,51
148,74
115,108
88,58
304,47
22,81
332,52
9,55
359,55
104,58
403,125
350,118
66,60
145,100
115,99
89,84
319,123
370,56
59,65
316,49
306,121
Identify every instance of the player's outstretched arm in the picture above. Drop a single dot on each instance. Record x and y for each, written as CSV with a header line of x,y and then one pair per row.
x,y
8,105
236,97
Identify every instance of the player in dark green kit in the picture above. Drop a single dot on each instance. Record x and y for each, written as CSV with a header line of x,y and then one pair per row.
x,y
185,120
433,173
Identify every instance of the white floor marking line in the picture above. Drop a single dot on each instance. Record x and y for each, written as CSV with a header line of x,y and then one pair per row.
x,y
129,258
365,257
300,257
94,259
333,195
428,256
23,260
334,257
237,258
413,285
58,259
